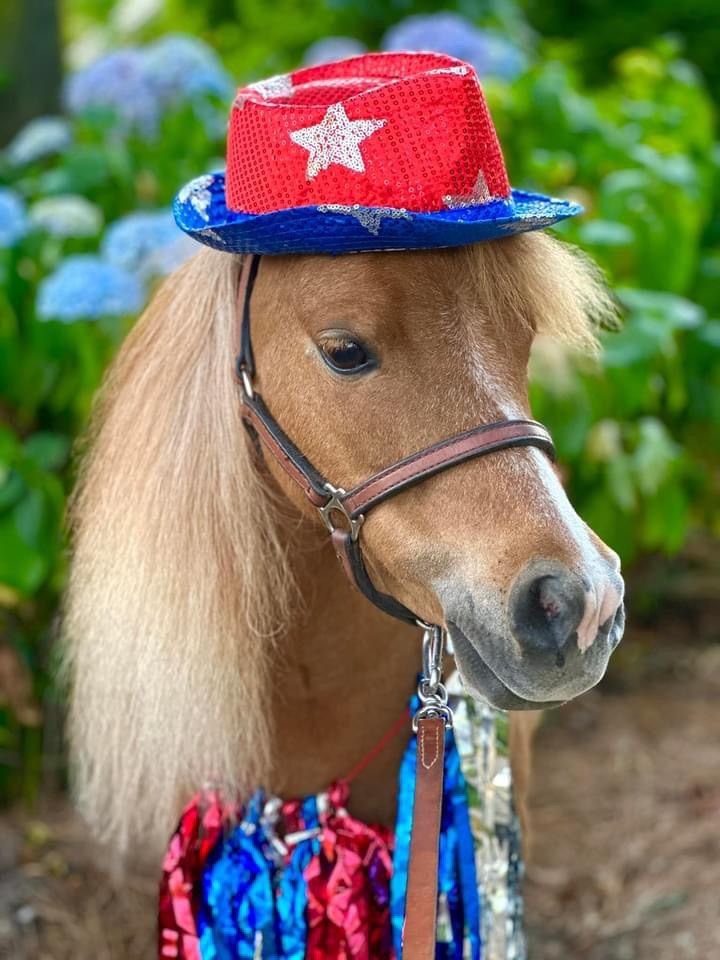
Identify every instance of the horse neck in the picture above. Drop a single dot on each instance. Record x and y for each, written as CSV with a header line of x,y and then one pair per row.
x,y
346,673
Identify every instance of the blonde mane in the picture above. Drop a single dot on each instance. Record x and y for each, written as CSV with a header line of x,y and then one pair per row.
x,y
180,587
177,588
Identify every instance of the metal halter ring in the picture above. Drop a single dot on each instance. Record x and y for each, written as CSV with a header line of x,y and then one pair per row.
x,y
336,505
243,376
432,656
431,691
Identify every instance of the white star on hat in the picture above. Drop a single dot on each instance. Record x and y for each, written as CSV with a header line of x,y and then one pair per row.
x,y
336,139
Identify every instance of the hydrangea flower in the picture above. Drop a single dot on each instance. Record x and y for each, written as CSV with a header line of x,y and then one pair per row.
x,y
13,217
66,216
137,84
487,51
147,243
42,137
85,287
181,67
332,48
119,82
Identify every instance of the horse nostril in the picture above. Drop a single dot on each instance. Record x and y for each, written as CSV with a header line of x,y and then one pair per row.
x,y
547,609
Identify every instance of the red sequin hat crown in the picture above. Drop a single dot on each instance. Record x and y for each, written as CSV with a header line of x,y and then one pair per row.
x,y
383,151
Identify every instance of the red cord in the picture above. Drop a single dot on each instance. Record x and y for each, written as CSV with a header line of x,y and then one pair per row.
x,y
379,746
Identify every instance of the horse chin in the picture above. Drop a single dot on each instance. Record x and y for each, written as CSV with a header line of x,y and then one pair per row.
x,y
482,683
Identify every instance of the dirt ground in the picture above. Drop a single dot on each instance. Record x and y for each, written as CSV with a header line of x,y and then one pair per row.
x,y
626,815
626,824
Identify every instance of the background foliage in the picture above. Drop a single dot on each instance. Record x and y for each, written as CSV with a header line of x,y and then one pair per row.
x,y
588,105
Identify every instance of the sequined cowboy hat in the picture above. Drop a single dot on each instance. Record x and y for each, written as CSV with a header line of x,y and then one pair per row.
x,y
387,151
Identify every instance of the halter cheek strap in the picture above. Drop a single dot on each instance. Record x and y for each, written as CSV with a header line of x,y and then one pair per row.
x,y
344,512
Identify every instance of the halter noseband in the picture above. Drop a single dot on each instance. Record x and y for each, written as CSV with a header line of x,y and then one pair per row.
x,y
353,505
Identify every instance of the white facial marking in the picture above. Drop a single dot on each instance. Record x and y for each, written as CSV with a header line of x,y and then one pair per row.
x,y
598,608
483,367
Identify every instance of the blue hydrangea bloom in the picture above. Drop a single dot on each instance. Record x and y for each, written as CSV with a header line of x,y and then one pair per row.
x,y
85,287
13,217
182,67
487,51
332,48
42,137
120,82
147,243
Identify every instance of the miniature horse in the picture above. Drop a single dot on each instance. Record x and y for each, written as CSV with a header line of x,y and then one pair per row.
x,y
210,631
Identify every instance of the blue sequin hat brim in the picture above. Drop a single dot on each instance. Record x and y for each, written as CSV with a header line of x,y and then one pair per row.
x,y
200,211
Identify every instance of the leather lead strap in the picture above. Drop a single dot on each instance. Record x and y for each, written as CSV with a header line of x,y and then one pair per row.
x,y
422,893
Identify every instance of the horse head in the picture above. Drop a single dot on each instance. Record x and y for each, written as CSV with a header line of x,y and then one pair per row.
x,y
366,359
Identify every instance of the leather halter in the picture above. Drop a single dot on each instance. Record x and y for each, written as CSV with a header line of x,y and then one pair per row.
x,y
351,507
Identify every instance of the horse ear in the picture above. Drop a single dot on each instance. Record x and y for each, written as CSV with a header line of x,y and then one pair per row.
x,y
177,576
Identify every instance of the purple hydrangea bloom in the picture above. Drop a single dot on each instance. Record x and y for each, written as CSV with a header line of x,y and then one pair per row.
x,y
13,217
139,83
119,82
487,51
332,48
181,67
85,287
147,243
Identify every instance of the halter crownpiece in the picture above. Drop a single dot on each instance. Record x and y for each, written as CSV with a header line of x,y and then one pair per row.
x,y
386,151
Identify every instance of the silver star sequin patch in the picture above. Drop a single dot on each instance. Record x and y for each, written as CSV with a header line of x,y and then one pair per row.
x,y
213,234
458,71
479,194
279,86
198,194
336,139
368,217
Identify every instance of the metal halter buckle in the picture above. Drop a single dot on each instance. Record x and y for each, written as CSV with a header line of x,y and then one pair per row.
x,y
432,692
336,505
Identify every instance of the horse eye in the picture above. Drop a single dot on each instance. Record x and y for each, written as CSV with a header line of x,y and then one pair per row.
x,y
345,355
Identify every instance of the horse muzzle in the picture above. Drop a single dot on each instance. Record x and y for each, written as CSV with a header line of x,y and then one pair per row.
x,y
551,643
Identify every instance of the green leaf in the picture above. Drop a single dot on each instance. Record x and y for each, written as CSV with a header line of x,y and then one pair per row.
x,y
48,450
666,309
22,567
667,519
621,484
606,233
654,455
30,517
9,447
11,487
